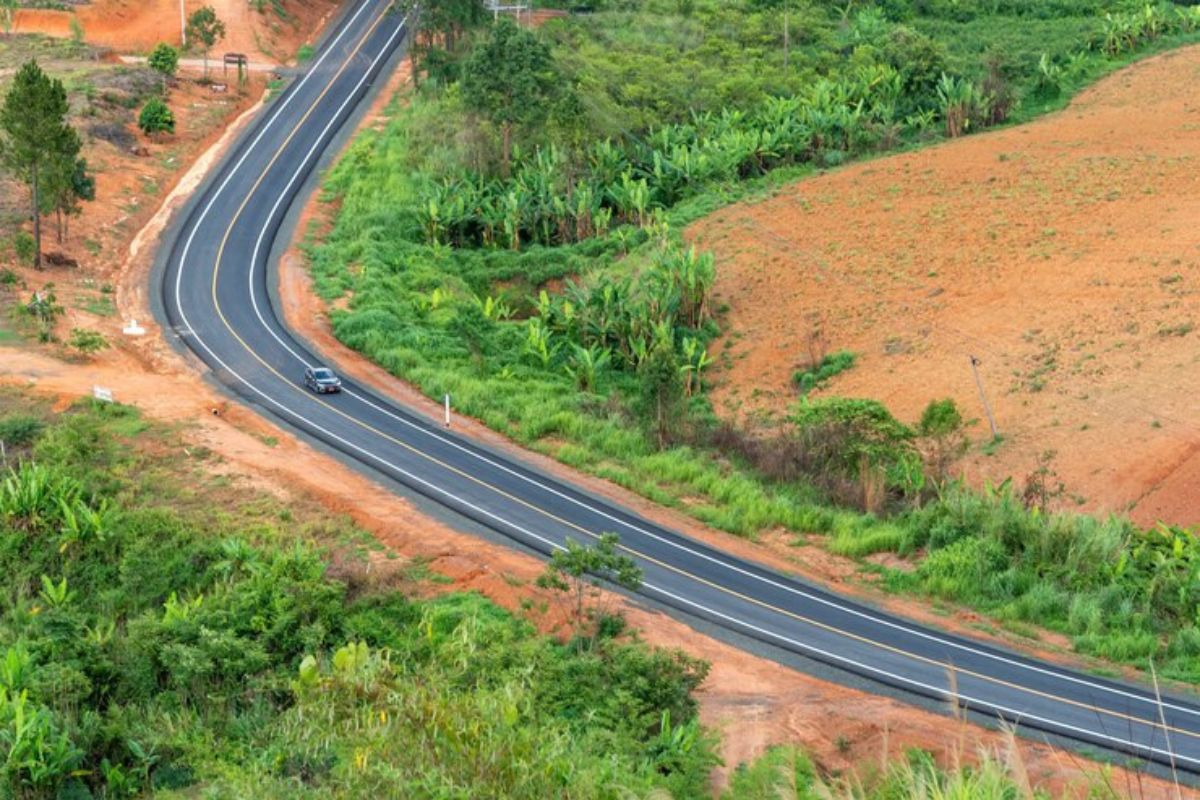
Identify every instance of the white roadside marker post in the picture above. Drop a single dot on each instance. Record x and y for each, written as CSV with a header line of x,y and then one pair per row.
x,y
447,398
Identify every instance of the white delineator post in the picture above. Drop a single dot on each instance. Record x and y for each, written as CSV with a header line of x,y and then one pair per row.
x,y
447,399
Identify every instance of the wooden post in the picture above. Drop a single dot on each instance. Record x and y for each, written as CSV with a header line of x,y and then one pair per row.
x,y
983,396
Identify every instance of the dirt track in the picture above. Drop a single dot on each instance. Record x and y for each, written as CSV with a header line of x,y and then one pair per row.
x,y
1065,254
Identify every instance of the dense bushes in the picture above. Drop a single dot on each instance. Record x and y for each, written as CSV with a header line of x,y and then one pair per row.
x,y
144,652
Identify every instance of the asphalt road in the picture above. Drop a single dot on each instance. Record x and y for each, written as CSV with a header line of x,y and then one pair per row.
x,y
216,299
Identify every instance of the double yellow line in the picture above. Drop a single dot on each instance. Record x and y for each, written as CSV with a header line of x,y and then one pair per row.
x,y
571,525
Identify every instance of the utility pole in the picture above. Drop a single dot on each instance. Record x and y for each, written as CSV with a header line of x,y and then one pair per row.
x,y
983,396
182,26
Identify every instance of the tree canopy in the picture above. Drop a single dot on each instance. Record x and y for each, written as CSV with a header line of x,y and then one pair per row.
x,y
510,79
206,28
38,145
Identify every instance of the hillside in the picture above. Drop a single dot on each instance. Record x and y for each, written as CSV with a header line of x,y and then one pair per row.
x,y
1061,253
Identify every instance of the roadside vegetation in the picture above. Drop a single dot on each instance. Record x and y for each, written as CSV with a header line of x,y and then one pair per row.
x,y
157,643
511,238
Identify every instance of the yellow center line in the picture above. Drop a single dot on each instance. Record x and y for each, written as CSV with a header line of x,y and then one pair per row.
x,y
567,523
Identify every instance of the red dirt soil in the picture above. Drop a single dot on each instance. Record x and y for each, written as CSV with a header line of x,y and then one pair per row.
x,y
1065,254
138,25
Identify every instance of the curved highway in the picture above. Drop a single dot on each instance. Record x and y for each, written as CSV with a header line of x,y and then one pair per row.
x,y
216,300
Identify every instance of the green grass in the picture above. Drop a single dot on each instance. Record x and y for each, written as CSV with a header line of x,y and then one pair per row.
x,y
831,365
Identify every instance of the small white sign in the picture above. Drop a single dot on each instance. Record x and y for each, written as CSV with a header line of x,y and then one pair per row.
x,y
133,329
102,394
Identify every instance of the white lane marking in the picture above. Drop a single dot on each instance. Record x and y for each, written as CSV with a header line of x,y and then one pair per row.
x,y
1012,713
605,514
288,187
238,165
862,614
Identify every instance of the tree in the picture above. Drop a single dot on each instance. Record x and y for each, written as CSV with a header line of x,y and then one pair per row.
x,y
165,61
203,26
67,183
786,7
511,80
578,570
156,117
662,389
450,18
942,432
36,136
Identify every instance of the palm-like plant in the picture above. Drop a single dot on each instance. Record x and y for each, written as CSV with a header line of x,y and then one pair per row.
x,y
959,101
585,365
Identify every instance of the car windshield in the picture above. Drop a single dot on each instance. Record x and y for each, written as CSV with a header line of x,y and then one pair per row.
x,y
322,374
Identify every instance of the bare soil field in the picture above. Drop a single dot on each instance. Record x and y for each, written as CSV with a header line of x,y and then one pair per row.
x,y
138,25
1064,254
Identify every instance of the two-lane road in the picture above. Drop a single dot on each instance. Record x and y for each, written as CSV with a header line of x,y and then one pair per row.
x,y
216,299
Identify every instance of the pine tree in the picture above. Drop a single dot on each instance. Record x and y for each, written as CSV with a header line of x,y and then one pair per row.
x,y
37,140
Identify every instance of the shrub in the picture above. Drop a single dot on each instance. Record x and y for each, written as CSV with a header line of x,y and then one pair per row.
x,y
19,430
24,247
829,366
164,60
156,118
87,342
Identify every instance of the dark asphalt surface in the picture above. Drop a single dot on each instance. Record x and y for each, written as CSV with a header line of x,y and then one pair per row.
x,y
216,299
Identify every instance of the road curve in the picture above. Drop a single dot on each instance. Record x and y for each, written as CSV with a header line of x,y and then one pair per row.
x,y
216,301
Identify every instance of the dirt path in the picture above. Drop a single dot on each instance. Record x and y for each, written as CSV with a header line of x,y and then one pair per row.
x,y
1065,254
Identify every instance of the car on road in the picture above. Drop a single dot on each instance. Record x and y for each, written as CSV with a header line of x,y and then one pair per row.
x,y
322,380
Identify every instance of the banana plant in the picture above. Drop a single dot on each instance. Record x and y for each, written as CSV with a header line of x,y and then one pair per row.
x,y
514,215
585,365
493,308
176,610
539,342
15,669
81,524
959,101
56,595
695,361
31,496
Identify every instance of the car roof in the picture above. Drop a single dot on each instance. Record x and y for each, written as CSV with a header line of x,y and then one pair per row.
x,y
322,372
